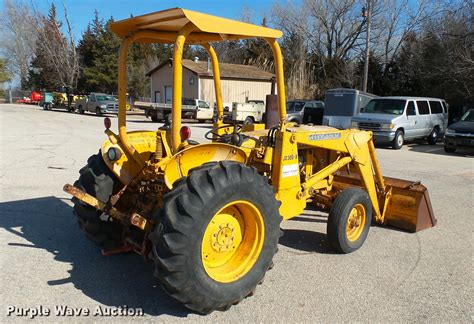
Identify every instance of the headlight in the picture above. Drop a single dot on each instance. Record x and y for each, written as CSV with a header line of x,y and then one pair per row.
x,y
387,126
114,154
103,106
450,132
354,124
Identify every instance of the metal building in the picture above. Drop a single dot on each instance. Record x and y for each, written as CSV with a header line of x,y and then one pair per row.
x,y
240,83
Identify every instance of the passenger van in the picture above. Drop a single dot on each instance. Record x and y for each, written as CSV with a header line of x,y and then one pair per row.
x,y
395,119
341,104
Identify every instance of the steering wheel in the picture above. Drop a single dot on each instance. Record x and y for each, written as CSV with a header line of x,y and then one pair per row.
x,y
209,135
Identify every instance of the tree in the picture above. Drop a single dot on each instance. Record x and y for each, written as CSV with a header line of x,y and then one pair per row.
x,y
18,38
4,74
87,46
56,62
101,75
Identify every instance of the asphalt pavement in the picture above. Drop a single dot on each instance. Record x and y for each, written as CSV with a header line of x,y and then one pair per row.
x,y
47,264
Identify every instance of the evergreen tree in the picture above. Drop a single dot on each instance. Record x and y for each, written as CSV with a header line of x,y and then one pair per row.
x,y
101,75
43,74
85,48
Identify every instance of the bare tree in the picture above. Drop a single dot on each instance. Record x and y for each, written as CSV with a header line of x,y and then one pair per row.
x,y
299,70
394,20
60,49
18,38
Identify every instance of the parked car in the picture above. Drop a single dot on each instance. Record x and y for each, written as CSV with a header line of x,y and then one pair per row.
x,y
190,109
341,104
395,119
305,111
461,133
98,103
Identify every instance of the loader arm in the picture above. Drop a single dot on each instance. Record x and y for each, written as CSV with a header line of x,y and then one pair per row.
x,y
347,147
317,174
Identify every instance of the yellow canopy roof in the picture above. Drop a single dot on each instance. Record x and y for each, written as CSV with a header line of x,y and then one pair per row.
x,y
208,28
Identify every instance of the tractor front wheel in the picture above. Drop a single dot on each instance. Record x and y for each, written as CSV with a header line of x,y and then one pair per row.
x,y
97,180
216,236
349,220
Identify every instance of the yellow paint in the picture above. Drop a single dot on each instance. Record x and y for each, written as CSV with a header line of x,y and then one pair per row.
x,y
173,20
217,84
253,127
178,84
233,241
356,222
179,165
280,79
125,169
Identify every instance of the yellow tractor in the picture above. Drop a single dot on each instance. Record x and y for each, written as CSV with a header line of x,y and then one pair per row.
x,y
209,215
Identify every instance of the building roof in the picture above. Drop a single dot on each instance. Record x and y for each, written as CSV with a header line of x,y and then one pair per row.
x,y
207,28
227,70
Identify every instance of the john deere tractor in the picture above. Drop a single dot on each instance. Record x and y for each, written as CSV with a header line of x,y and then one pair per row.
x,y
208,215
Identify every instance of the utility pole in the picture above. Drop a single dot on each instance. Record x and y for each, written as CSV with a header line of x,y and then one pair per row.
x,y
367,13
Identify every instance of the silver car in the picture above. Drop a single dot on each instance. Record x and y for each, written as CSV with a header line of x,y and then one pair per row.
x,y
395,119
305,111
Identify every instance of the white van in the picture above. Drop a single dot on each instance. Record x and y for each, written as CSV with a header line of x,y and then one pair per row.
x,y
394,119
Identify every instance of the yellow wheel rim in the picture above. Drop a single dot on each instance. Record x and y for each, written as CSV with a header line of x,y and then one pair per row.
x,y
355,222
233,241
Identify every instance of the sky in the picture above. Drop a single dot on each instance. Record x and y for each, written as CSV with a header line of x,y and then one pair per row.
x,y
81,12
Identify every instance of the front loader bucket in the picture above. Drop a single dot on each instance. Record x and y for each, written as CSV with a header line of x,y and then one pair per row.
x,y
408,205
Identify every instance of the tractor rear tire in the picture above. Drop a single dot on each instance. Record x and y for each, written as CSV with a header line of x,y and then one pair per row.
x,y
192,262
97,180
349,220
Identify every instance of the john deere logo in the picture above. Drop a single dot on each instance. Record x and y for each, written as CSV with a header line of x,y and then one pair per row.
x,y
323,137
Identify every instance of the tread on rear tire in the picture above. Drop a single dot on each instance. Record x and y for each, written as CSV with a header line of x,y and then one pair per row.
x,y
187,212
97,180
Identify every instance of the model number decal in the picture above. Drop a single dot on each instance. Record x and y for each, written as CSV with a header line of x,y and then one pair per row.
x,y
323,137
289,157
289,170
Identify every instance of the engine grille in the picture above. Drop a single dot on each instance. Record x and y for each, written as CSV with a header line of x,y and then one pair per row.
x,y
370,126
112,106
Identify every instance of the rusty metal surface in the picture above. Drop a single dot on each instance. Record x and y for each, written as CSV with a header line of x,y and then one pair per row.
x,y
118,250
138,221
83,196
125,218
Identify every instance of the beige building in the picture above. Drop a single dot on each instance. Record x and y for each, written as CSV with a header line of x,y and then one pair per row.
x,y
239,83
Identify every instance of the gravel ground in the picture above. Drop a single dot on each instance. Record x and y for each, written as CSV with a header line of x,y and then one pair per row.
x,y
46,262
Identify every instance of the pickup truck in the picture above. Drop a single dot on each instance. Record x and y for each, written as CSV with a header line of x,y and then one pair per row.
x,y
190,109
98,103
249,112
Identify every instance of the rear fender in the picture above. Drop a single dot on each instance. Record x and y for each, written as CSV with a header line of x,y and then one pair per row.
x,y
125,168
194,156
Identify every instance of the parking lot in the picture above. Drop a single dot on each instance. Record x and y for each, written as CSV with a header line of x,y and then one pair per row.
x,y
395,276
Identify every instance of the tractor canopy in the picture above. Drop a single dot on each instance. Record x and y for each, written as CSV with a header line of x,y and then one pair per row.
x,y
207,27
182,26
